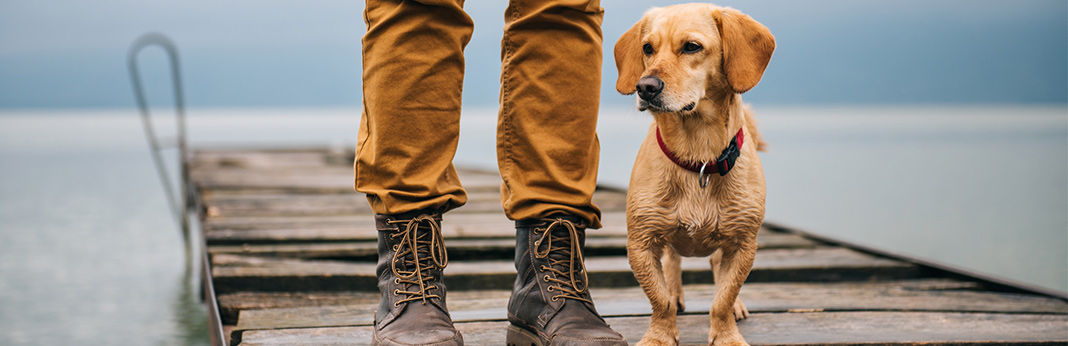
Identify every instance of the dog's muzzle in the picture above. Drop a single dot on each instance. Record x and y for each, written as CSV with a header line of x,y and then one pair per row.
x,y
649,88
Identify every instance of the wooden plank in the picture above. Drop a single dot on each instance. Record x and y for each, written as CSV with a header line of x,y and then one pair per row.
x,y
936,295
274,230
230,204
285,235
458,249
233,273
204,160
454,225
841,328
222,204
327,179
231,304
315,179
463,248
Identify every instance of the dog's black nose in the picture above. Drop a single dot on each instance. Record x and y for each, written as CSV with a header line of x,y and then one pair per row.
x,y
649,88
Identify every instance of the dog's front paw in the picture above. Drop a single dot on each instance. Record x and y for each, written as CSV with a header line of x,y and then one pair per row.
x,y
659,337
649,340
727,339
740,311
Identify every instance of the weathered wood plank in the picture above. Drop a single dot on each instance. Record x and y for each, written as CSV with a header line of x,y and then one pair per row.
x,y
292,230
454,225
236,273
466,306
231,304
326,179
458,249
841,328
243,204
205,160
223,204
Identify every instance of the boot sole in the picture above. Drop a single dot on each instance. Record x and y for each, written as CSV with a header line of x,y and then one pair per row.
x,y
521,337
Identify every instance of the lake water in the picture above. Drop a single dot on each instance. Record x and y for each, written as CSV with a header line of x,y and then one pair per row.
x,y
89,254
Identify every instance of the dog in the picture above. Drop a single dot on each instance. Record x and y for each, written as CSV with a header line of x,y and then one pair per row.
x,y
697,188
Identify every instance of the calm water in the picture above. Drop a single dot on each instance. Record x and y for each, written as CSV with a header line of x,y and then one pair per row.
x,y
89,254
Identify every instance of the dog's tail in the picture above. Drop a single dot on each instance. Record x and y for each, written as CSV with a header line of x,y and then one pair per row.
x,y
751,123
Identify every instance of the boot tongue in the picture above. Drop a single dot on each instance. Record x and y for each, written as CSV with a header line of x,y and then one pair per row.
x,y
564,243
422,250
418,264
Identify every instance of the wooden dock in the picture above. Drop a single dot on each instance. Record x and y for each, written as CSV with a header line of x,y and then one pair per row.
x,y
290,249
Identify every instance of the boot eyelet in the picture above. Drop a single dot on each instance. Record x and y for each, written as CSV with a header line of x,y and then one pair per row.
x,y
543,268
396,247
550,289
396,281
396,292
397,304
546,278
555,299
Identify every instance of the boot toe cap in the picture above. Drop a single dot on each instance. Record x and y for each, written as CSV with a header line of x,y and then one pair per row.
x,y
423,338
591,339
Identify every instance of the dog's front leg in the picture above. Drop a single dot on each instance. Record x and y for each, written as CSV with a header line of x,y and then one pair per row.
x,y
734,267
644,256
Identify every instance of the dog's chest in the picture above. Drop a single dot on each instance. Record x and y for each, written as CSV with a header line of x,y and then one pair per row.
x,y
697,218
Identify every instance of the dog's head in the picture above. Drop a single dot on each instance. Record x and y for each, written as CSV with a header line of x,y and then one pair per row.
x,y
677,55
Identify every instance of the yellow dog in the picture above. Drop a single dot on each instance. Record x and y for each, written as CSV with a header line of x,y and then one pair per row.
x,y
697,188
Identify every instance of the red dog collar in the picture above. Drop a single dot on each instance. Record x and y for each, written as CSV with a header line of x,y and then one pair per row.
x,y
723,163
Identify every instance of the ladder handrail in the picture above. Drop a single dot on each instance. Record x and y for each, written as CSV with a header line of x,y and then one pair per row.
x,y
179,205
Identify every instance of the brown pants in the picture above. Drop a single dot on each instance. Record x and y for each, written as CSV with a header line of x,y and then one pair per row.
x,y
547,148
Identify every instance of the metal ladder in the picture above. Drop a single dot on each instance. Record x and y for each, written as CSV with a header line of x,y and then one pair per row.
x,y
179,202
182,202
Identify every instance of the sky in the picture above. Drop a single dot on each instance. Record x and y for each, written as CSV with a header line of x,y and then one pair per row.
x,y
64,54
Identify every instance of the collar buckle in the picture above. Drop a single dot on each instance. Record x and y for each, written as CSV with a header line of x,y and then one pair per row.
x,y
726,160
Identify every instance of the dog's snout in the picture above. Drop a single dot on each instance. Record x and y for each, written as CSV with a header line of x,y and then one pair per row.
x,y
649,87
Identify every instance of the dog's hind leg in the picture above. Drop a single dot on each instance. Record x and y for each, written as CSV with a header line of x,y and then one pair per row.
x,y
740,311
673,276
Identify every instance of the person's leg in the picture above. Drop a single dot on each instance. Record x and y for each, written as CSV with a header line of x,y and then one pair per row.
x,y
547,152
413,69
412,79
547,147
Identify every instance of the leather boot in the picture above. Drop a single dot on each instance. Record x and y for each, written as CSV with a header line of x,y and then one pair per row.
x,y
411,257
550,303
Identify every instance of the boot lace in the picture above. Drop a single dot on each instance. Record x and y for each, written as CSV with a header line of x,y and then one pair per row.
x,y
566,264
419,255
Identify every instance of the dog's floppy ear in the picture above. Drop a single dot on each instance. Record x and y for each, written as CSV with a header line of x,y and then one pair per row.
x,y
628,53
747,47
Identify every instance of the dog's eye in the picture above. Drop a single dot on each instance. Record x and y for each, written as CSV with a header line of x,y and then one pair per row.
x,y
648,49
691,47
